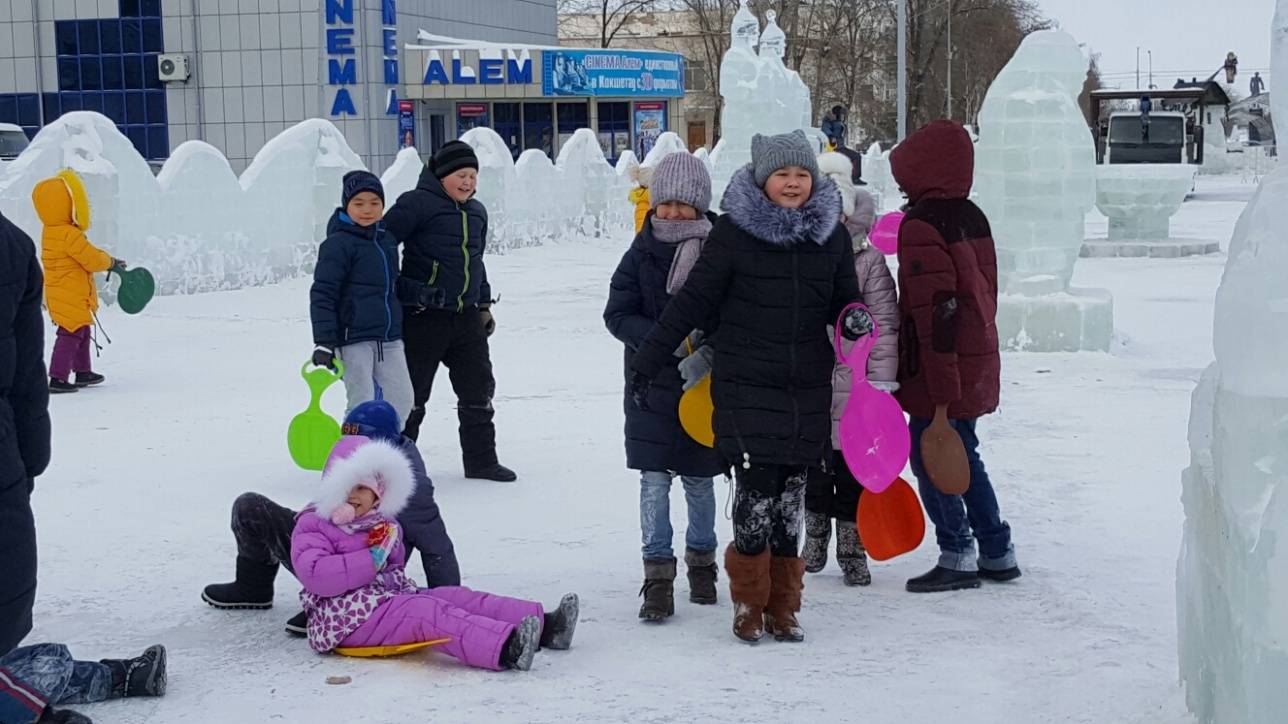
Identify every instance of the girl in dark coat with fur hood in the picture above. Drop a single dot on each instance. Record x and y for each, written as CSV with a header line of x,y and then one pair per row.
x,y
777,269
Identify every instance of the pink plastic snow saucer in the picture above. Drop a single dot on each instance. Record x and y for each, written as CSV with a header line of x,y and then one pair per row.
x,y
873,432
885,234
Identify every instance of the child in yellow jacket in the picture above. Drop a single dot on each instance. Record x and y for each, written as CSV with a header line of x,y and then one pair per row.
x,y
70,261
642,175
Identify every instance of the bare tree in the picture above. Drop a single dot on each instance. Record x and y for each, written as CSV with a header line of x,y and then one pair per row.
x,y
613,15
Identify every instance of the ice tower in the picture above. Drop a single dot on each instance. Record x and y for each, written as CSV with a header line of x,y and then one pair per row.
x,y
1232,577
1035,178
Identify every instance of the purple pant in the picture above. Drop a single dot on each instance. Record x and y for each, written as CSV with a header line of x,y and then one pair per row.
x,y
71,353
477,623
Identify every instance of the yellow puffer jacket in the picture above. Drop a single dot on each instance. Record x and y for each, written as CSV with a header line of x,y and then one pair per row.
x,y
639,197
69,259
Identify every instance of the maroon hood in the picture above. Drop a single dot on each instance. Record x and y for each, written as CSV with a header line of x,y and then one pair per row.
x,y
936,162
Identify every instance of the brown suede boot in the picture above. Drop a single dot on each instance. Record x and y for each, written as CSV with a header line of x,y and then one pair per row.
x,y
749,589
787,576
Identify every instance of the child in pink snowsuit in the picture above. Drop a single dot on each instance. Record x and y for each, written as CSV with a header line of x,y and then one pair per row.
x,y
348,552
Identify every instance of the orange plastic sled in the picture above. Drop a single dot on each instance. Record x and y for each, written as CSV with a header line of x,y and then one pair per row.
x,y
891,522
365,652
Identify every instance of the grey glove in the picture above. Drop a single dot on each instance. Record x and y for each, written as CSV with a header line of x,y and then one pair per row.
x,y
857,323
697,365
691,344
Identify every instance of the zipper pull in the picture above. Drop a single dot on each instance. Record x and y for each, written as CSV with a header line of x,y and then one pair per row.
x,y
746,461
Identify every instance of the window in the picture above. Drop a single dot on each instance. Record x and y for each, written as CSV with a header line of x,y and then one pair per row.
x,y
571,117
695,75
21,109
108,66
506,123
614,129
539,127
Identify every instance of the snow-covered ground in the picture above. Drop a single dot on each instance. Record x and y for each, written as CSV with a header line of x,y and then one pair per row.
x,y
1086,454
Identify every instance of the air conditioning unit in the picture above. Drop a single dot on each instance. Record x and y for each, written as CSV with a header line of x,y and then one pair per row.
x,y
173,67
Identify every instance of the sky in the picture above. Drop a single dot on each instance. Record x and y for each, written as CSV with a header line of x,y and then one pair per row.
x,y
1188,37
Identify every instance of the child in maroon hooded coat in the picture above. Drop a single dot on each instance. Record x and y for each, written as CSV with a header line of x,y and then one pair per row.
x,y
948,352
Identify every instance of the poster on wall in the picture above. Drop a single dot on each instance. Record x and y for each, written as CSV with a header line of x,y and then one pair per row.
x,y
406,124
650,122
611,73
470,115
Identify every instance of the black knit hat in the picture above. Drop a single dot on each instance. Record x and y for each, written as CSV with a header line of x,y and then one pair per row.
x,y
452,157
355,182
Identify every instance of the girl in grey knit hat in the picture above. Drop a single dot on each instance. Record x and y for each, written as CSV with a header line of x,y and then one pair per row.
x,y
652,270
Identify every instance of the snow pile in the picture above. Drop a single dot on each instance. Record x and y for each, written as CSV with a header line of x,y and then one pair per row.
x,y
195,225
1232,576
1035,179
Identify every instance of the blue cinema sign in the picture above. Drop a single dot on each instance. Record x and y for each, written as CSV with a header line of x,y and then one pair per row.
x,y
491,71
342,55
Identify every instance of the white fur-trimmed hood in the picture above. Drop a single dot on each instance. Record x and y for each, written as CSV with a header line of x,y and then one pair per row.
x,y
375,457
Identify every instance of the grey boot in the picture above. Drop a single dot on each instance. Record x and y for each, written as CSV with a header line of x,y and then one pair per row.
x,y
522,645
850,554
143,675
561,624
703,573
818,533
658,590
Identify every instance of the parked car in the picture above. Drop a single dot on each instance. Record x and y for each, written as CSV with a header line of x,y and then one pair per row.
x,y
13,141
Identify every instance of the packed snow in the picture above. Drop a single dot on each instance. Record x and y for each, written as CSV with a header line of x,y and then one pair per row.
x,y
133,522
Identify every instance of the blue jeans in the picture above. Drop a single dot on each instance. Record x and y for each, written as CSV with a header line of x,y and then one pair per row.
x,y
47,675
655,514
957,516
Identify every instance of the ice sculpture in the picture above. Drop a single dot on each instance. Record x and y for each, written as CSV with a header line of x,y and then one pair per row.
x,y
881,183
625,162
402,175
1140,200
589,178
1232,574
1035,179
498,184
545,219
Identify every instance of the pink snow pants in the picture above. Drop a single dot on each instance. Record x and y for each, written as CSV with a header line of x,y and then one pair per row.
x,y
478,623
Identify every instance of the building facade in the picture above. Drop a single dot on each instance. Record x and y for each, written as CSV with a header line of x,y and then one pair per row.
x,y
235,73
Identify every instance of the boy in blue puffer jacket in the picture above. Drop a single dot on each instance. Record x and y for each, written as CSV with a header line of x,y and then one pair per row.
x,y
355,312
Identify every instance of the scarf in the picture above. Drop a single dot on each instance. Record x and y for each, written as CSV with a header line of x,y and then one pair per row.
x,y
689,235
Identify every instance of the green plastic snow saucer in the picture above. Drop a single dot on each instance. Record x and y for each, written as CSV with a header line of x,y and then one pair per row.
x,y
136,290
313,433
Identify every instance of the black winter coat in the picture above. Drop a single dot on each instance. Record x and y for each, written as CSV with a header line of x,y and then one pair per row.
x,y
777,277
443,244
24,427
352,299
636,298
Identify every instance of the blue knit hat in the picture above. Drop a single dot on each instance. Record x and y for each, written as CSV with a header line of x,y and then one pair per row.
x,y
375,419
355,182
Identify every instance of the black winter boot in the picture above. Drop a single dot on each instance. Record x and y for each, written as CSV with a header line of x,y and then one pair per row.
x,y
940,579
818,533
495,471
89,379
298,625
658,590
62,716
141,676
851,555
1002,576
561,624
703,574
58,387
522,645
253,588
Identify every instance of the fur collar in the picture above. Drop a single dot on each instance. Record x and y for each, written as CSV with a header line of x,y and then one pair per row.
x,y
372,458
753,212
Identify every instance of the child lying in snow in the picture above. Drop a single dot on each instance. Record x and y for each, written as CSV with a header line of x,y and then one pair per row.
x,y
348,552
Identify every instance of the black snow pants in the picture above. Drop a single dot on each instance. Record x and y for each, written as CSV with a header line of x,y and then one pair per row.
x,y
768,508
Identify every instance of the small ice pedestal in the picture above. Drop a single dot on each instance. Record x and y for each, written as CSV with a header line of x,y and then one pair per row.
x,y
1140,201
1039,314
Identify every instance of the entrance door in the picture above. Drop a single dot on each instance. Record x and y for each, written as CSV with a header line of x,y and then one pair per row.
x,y
437,132
697,136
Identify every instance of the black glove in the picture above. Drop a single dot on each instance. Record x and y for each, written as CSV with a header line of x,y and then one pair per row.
x,y
857,323
323,357
640,384
489,323
118,266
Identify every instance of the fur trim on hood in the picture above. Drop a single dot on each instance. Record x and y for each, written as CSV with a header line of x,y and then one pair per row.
x,y
752,211
376,457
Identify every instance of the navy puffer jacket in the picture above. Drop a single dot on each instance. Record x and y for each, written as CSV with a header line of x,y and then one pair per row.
x,y
24,427
636,298
443,244
353,299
